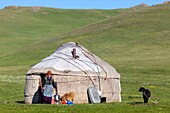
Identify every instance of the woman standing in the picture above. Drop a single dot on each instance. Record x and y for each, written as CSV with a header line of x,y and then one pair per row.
x,y
47,88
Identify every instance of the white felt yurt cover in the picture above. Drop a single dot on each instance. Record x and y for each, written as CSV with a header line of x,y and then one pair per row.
x,y
74,73
62,61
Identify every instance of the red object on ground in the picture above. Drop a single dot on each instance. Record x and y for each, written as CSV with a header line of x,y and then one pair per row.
x,y
64,102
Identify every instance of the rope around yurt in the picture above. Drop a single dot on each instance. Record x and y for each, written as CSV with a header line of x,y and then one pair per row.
x,y
86,72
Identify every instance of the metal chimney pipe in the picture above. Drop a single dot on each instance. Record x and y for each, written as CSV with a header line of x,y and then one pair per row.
x,y
74,53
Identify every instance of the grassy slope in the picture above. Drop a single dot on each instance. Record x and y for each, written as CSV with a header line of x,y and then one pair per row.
x,y
136,43
25,27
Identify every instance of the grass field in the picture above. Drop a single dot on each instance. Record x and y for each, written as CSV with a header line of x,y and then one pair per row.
x,y
135,42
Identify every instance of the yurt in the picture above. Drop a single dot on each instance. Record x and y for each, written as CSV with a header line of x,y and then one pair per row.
x,y
75,69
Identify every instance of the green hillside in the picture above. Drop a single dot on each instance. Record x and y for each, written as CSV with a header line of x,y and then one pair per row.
x,y
22,29
135,41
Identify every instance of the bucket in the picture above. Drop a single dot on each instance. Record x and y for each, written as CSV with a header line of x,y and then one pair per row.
x,y
53,101
57,99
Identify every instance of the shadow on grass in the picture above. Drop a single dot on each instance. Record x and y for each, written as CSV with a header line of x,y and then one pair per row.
x,y
20,102
135,103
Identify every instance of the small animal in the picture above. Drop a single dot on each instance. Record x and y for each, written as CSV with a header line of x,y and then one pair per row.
x,y
146,94
68,96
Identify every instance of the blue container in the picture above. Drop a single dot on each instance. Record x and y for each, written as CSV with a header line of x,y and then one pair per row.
x,y
69,102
